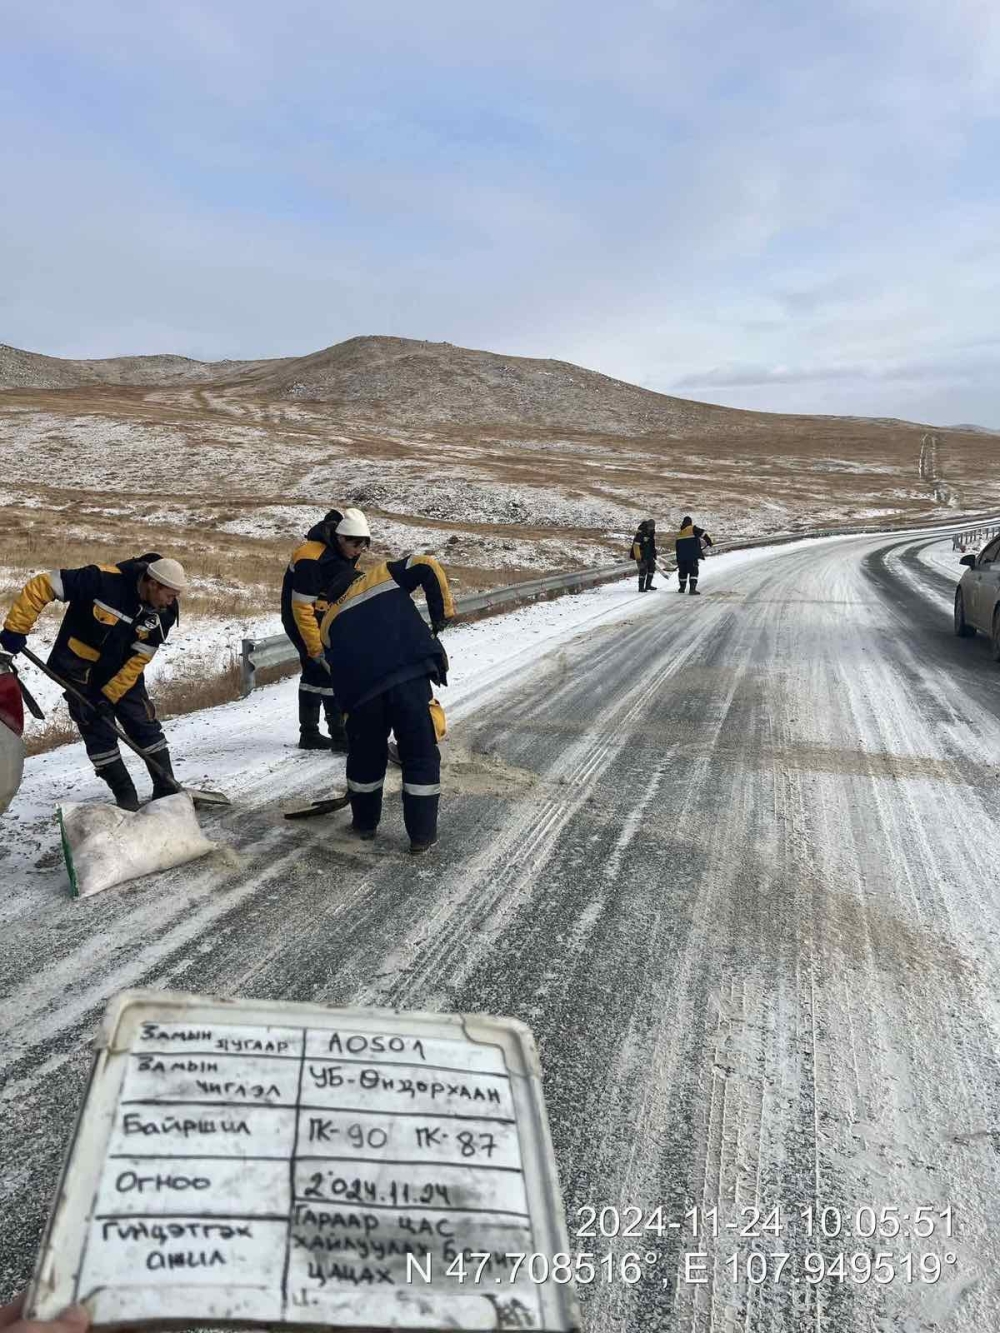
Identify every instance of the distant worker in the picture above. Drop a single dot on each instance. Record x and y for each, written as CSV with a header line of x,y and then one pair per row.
x,y
690,545
644,553
330,548
383,659
117,617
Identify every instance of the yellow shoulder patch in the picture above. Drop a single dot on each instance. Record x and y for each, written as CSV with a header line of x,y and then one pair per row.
x,y
308,551
442,578
369,583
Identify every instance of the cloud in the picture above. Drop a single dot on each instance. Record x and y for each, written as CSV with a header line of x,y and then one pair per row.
x,y
949,367
752,196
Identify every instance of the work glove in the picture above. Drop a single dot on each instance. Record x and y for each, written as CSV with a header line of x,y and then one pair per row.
x,y
437,626
101,705
12,642
443,666
321,661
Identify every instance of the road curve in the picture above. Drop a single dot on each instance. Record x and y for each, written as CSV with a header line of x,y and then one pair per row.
x,y
732,859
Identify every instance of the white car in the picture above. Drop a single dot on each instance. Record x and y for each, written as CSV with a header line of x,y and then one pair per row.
x,y
11,728
977,597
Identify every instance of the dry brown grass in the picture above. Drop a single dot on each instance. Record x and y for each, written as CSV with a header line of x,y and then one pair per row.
x,y
234,452
55,732
761,472
244,576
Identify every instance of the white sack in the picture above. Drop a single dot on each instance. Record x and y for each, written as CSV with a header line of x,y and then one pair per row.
x,y
104,845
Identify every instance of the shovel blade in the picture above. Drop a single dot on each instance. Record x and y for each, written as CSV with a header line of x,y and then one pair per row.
x,y
319,807
206,800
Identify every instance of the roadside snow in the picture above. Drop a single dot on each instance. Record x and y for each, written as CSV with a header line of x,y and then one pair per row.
x,y
231,745
240,745
944,560
200,648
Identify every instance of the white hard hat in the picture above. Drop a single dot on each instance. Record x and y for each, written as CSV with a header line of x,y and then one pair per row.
x,y
353,524
168,572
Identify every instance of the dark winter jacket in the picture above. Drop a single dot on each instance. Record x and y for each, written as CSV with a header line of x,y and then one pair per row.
x,y
108,634
313,569
375,637
688,542
644,546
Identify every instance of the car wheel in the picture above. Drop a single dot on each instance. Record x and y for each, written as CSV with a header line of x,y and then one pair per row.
x,y
962,627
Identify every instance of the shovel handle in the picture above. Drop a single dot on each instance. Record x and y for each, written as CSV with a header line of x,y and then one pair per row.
x,y
150,763
30,702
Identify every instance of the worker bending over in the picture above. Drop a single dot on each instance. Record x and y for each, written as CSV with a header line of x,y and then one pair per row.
x,y
383,660
116,618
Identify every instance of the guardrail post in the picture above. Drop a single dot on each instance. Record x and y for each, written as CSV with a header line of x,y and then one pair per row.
x,y
247,668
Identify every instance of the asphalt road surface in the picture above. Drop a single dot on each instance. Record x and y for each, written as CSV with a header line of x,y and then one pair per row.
x,y
734,860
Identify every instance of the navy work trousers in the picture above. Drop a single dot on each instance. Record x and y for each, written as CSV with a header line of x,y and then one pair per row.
x,y
315,691
134,713
402,708
687,569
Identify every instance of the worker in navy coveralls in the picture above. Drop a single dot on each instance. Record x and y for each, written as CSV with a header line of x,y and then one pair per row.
x,y
116,618
383,660
317,563
689,546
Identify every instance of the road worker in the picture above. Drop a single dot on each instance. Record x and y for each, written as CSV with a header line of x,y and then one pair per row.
x,y
643,552
690,544
330,548
383,660
116,618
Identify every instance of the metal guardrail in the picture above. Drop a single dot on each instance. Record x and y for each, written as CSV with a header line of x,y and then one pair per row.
x,y
278,650
978,535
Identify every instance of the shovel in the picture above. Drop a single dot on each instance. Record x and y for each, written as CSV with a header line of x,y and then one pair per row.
x,y
197,794
30,702
319,807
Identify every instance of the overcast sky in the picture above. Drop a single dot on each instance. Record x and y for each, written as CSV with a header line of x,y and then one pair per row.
x,y
791,205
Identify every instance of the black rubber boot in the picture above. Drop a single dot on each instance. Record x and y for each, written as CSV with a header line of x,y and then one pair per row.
x,y
119,779
642,583
310,736
162,761
335,726
682,588
694,588
649,583
314,740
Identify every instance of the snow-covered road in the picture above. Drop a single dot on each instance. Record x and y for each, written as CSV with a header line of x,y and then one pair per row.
x,y
731,858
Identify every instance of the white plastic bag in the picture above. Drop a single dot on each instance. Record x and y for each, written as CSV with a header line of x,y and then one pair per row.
x,y
104,845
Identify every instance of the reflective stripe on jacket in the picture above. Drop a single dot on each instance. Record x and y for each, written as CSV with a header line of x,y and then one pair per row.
x,y
374,635
314,566
108,634
688,541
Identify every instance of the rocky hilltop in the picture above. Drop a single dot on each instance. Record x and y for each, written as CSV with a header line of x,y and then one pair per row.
x,y
506,466
400,381
404,380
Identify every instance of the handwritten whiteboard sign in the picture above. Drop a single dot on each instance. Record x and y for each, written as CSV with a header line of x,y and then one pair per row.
x,y
244,1162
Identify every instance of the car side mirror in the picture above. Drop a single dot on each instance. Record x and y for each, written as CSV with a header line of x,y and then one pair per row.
x,y
969,560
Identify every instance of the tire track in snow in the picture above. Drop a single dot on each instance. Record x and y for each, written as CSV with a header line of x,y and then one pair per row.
x,y
758,972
